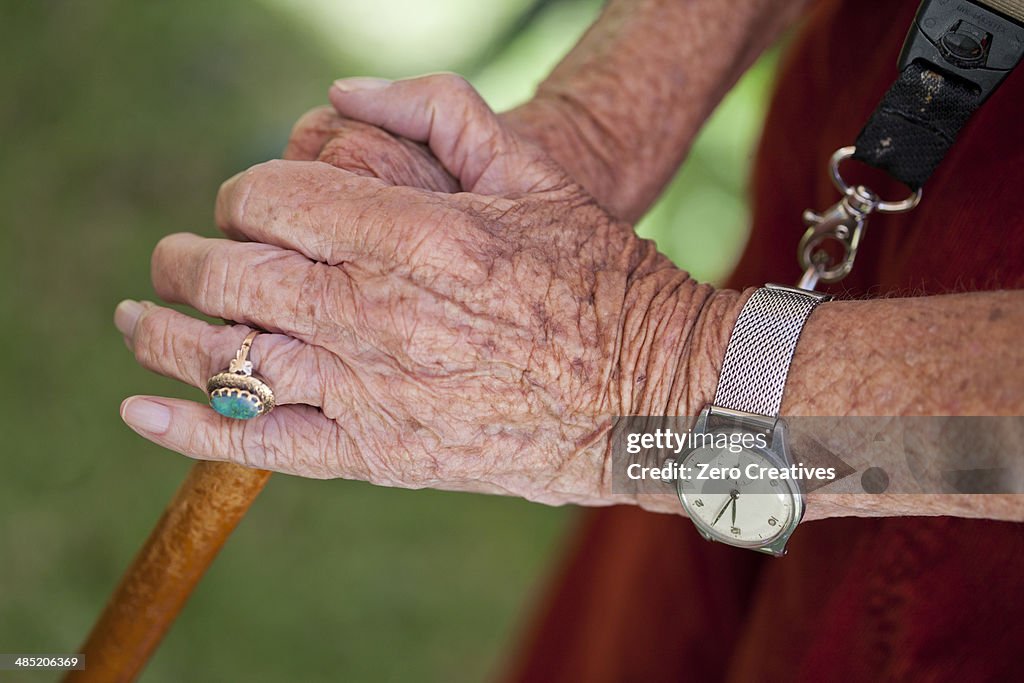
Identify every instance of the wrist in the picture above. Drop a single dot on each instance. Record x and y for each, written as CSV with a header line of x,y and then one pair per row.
x,y
680,339
568,132
687,333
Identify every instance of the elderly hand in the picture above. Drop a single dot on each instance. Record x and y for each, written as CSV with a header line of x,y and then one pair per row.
x,y
321,134
474,341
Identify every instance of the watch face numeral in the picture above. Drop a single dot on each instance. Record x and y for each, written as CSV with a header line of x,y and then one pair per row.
x,y
698,503
735,531
772,521
773,482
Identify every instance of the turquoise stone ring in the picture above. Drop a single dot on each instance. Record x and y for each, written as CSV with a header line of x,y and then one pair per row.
x,y
236,392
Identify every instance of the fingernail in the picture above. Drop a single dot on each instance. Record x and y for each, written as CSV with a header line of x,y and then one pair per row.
x,y
126,315
147,416
361,83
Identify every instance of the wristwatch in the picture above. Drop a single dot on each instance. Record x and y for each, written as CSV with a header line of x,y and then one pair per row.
x,y
737,482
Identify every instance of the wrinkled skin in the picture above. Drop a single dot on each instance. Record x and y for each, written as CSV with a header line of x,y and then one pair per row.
x,y
476,340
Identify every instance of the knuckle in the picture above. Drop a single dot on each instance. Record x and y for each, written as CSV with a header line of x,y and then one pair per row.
x,y
270,168
214,275
151,337
317,120
216,440
454,84
270,444
233,198
148,329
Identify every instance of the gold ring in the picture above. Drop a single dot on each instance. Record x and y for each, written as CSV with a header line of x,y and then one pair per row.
x,y
236,392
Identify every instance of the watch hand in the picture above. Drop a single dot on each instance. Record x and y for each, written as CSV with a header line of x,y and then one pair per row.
x,y
722,511
732,498
735,498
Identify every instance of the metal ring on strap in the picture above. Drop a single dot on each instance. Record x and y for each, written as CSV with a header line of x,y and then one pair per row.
x,y
844,153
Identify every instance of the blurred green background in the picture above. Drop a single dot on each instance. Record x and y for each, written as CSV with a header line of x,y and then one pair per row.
x,y
119,119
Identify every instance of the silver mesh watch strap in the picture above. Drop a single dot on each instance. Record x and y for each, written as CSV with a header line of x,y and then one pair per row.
x,y
761,348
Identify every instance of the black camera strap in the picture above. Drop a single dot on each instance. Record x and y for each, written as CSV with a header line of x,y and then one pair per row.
x,y
955,56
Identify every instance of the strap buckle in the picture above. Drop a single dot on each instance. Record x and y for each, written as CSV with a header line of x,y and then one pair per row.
x,y
967,39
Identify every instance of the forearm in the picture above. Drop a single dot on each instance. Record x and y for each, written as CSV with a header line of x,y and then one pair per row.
x,y
942,355
938,355
926,356
622,108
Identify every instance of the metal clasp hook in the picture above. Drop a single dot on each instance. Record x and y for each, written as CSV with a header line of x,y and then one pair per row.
x,y
843,223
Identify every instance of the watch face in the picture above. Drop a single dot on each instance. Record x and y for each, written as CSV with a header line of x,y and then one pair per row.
x,y
731,496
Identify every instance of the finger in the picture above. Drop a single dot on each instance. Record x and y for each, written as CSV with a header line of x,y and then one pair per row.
x,y
369,151
255,284
333,216
359,148
445,112
191,351
292,439
311,132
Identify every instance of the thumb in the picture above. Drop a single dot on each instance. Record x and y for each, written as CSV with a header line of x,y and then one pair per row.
x,y
447,114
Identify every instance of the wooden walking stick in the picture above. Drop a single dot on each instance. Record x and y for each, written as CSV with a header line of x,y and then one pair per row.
x,y
206,509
